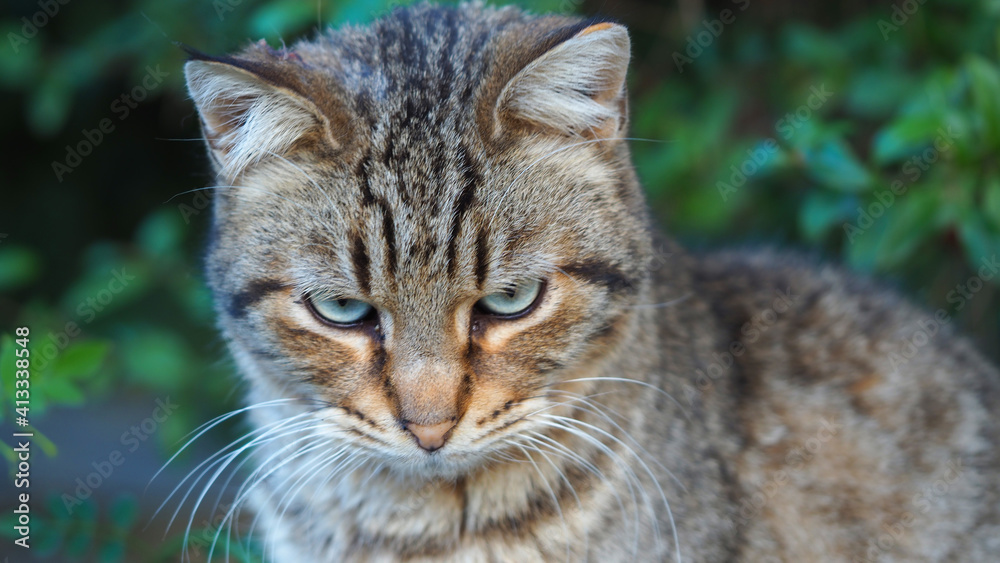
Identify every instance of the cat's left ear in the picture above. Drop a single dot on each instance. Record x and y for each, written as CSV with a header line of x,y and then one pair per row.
x,y
575,88
254,110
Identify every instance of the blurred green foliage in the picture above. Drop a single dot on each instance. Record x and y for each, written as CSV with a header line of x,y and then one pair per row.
x,y
870,138
785,124
85,532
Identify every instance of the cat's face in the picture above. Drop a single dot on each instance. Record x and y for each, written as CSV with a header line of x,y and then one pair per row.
x,y
425,261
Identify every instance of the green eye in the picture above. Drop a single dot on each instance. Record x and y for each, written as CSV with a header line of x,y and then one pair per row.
x,y
514,302
342,311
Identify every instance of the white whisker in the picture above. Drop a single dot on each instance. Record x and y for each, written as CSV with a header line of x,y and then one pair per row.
x,y
269,434
630,476
251,482
599,411
232,515
264,430
649,472
538,446
208,426
555,500
627,380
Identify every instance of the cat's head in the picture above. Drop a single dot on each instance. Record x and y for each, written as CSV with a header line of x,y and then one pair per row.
x,y
426,223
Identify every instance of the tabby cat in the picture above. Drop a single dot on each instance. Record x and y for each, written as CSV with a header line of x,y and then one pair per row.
x,y
464,341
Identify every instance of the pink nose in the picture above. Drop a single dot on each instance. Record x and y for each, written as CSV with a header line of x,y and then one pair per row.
x,y
431,436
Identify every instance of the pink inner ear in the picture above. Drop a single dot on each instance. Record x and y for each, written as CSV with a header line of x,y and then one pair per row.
x,y
230,114
595,27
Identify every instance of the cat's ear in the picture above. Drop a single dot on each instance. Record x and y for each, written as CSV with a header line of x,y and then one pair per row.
x,y
250,112
576,87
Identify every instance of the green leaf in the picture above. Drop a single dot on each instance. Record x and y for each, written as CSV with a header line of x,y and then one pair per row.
x,y
904,136
78,544
161,233
862,252
277,19
768,156
834,165
19,265
197,299
822,211
60,390
47,541
156,358
977,239
107,285
810,46
123,512
48,446
8,454
81,360
365,10
111,551
18,69
876,92
55,506
991,201
42,441
909,222
985,82
50,104
704,209
86,512
7,370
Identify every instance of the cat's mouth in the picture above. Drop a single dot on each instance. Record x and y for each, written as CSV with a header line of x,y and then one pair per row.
x,y
446,451
447,462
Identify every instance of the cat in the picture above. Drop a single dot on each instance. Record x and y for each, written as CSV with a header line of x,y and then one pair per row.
x,y
464,340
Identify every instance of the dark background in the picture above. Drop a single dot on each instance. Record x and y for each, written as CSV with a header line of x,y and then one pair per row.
x,y
848,94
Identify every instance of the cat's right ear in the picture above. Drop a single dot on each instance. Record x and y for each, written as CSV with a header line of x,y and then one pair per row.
x,y
575,87
250,112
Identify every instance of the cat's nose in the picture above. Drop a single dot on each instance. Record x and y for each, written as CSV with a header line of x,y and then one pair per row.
x,y
431,436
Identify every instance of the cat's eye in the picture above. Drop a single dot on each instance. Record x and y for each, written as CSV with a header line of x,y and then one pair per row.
x,y
514,302
344,312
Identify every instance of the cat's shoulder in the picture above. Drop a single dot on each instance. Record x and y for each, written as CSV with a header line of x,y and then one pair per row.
x,y
851,391
809,337
830,318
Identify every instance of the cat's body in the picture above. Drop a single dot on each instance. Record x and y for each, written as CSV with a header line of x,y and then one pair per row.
x,y
417,169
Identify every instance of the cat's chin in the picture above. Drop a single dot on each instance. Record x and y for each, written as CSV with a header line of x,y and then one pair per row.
x,y
439,465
